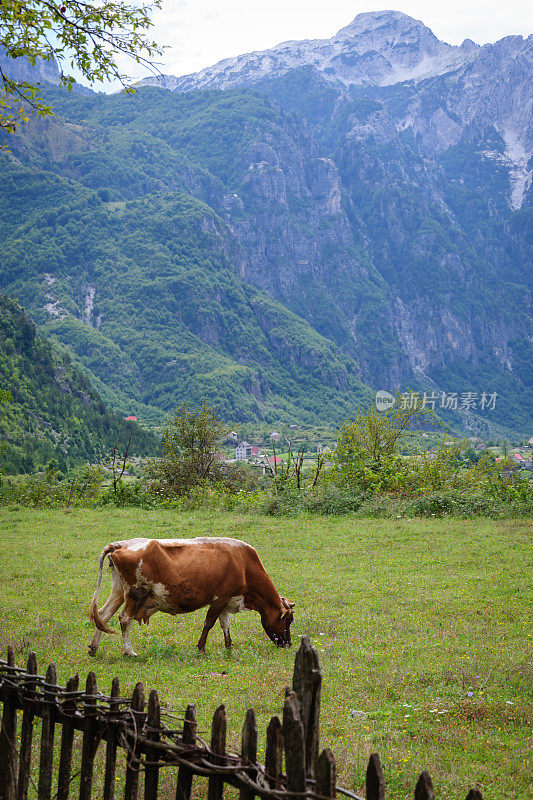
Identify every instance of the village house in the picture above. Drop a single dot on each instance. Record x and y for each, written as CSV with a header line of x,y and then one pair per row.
x,y
243,451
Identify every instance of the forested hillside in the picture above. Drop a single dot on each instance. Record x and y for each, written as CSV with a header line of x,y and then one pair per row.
x,y
275,247
145,293
48,409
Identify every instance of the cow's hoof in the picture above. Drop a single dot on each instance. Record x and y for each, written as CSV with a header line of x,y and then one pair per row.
x,y
92,650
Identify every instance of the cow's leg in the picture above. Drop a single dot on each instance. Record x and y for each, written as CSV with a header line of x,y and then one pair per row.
x,y
213,613
125,625
224,620
111,605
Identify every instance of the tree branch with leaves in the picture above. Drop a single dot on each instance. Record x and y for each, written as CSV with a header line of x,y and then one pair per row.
x,y
87,37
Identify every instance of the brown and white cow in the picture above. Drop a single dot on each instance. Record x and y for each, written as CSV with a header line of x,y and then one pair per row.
x,y
181,575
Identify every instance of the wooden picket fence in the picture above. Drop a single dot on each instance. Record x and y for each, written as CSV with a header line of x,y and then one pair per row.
x,y
144,745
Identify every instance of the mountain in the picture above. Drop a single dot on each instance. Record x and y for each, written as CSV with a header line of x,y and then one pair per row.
x,y
487,85
377,48
280,234
20,69
48,408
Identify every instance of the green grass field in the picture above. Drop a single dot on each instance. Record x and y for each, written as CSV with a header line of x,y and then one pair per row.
x,y
422,625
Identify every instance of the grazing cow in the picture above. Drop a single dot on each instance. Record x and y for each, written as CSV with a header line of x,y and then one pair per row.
x,y
181,575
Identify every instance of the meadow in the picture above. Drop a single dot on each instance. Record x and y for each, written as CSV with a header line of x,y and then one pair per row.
x,y
423,628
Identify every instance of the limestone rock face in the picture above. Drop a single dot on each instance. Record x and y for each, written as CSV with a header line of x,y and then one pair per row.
x,y
20,69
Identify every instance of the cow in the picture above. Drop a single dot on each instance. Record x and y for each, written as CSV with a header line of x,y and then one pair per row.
x,y
181,575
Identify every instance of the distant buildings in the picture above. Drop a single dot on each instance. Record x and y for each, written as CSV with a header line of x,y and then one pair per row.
x,y
243,451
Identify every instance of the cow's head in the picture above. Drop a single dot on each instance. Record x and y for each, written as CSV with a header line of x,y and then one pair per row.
x,y
278,626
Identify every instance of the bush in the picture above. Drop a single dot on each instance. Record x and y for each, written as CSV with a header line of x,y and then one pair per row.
x,y
323,500
432,505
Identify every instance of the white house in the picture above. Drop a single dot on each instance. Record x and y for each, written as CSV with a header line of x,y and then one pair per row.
x,y
243,451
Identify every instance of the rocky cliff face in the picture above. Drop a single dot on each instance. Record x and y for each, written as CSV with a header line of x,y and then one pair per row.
x,y
489,85
429,152
20,69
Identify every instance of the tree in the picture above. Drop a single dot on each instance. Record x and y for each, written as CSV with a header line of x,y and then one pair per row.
x,y
367,446
191,442
87,36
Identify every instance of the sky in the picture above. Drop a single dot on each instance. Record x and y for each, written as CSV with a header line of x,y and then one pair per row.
x,y
201,32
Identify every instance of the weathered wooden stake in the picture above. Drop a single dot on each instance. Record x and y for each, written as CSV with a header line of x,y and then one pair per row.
x,y
90,741
46,761
306,683
293,737
132,769
375,780
274,752
151,778
184,785
67,739
26,731
111,745
249,750
215,787
326,774
424,788
8,737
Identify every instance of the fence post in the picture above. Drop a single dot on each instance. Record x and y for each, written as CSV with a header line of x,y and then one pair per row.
x,y
424,787
326,774
184,784
151,777
8,736
26,731
375,780
293,737
218,746
274,752
111,744
46,761
67,739
249,751
306,683
90,740
132,769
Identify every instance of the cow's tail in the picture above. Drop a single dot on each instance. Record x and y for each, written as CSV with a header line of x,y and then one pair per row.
x,y
93,613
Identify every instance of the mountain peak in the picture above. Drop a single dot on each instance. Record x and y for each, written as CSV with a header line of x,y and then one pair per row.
x,y
377,47
372,20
